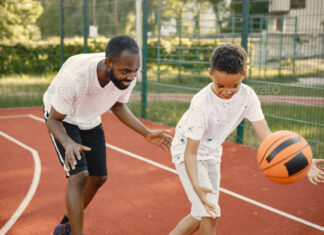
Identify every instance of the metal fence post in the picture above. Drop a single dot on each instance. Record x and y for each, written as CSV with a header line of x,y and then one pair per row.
x,y
144,59
62,32
281,43
158,44
233,27
85,25
197,35
295,45
244,44
179,49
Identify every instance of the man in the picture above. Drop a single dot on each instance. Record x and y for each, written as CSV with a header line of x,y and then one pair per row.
x,y
86,86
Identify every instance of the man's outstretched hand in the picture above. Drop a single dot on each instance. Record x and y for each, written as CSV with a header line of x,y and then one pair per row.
x,y
160,138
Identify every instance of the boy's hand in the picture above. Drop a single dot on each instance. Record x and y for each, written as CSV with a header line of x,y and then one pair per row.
x,y
160,138
315,174
202,194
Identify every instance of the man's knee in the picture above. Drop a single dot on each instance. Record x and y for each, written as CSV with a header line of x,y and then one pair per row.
x,y
79,180
97,181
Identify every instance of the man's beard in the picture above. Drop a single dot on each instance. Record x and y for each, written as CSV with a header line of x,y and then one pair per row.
x,y
117,83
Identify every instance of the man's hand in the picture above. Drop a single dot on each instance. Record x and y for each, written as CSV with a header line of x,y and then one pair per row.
x,y
72,152
315,174
160,138
202,194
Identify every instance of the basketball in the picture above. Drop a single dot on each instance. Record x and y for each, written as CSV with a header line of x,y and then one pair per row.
x,y
284,157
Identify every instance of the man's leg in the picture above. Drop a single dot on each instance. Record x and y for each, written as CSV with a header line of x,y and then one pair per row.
x,y
96,161
75,200
93,184
187,225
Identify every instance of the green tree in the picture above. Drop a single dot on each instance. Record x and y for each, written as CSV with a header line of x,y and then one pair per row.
x,y
105,17
18,20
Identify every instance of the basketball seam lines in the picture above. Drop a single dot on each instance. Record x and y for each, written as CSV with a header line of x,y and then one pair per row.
x,y
271,146
299,150
279,177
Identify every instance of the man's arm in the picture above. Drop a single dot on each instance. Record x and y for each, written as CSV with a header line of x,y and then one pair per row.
x,y
190,161
128,118
157,137
72,149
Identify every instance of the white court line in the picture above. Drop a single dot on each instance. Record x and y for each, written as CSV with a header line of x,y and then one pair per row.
x,y
32,188
14,116
236,195
226,191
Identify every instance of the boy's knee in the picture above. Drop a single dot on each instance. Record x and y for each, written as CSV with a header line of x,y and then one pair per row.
x,y
210,220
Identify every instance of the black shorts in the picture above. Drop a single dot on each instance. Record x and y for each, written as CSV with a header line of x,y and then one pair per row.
x,y
93,161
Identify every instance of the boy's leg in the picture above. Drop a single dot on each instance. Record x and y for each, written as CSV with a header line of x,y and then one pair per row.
x,y
209,176
187,225
208,226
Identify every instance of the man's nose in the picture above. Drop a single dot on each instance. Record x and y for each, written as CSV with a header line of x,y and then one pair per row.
x,y
131,76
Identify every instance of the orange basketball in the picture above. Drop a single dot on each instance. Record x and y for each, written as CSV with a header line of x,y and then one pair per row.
x,y
284,157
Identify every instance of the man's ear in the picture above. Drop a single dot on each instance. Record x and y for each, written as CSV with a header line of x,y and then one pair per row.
x,y
108,63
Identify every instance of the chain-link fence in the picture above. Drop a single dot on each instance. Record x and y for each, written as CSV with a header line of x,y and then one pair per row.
x,y
284,40
285,45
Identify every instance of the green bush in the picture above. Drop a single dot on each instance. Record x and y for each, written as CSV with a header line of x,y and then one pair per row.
x,y
45,56
42,56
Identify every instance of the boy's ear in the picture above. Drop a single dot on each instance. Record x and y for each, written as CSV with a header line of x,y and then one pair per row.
x,y
211,72
243,76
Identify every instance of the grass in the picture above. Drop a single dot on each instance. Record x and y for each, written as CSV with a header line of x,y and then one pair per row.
x,y
27,90
24,90
310,127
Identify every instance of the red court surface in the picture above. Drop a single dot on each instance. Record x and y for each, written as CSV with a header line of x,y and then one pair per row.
x,y
143,195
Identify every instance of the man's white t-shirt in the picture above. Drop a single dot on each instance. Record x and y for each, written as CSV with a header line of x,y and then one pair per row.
x,y
75,91
211,119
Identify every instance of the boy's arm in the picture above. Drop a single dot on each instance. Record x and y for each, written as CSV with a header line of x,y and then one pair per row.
x,y
261,128
315,174
157,137
190,161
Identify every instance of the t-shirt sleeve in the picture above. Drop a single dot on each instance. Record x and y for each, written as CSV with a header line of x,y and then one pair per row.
x,y
65,94
125,96
195,124
254,111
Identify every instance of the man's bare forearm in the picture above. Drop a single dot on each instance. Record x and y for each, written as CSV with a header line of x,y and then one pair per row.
x,y
129,119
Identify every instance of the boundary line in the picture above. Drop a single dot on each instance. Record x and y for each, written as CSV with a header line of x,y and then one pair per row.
x,y
32,189
226,191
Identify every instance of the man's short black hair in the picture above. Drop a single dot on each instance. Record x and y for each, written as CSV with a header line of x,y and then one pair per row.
x,y
120,43
229,58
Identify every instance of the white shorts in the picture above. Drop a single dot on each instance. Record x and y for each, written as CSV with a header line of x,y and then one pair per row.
x,y
209,177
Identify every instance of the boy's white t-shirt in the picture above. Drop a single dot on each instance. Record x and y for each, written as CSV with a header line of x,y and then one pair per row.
x,y
76,92
211,119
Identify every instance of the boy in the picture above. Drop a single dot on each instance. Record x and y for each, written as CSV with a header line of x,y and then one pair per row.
x,y
196,149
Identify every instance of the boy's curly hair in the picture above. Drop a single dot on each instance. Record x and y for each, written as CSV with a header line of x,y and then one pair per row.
x,y
229,58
